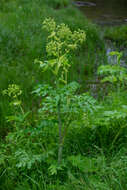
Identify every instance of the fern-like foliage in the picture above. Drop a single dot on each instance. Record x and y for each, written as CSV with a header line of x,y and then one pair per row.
x,y
72,104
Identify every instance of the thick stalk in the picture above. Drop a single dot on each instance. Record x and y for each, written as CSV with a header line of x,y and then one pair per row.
x,y
60,149
62,135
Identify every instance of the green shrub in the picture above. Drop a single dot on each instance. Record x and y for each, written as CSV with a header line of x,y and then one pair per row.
x,y
117,34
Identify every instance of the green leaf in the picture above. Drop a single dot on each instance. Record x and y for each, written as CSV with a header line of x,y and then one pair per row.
x,y
84,164
54,168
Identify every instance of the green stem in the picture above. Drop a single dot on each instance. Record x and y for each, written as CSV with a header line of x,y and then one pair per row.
x,y
60,149
115,138
21,109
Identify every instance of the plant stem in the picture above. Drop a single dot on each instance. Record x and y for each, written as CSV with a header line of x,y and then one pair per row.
x,y
115,138
60,149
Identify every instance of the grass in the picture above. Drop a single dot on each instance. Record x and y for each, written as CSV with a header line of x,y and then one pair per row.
x,y
117,34
111,175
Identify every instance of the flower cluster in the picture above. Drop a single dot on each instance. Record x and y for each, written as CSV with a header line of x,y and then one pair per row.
x,y
61,39
12,91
